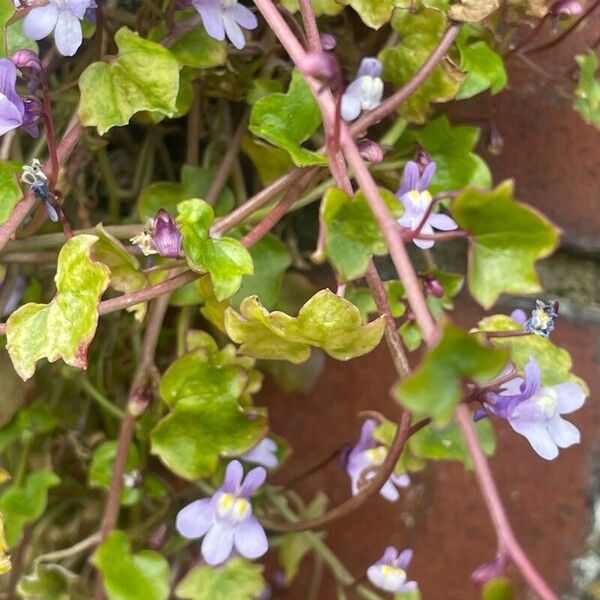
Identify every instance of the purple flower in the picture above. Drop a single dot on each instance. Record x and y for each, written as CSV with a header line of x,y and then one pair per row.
x,y
542,318
566,8
62,17
264,454
389,572
365,458
519,316
225,520
416,200
534,411
14,110
226,18
160,236
365,92
370,150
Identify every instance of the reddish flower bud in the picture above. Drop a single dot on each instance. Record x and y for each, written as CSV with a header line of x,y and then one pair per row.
x,y
322,65
566,8
167,238
25,59
489,570
370,150
328,41
433,286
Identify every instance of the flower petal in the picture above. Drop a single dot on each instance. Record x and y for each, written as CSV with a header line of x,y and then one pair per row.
x,y
563,432
218,543
194,520
385,580
68,35
233,30
8,82
254,479
442,222
403,560
212,17
369,66
264,454
251,539
570,397
424,243
233,477
244,17
389,556
10,117
538,436
40,22
427,176
389,491
350,106
410,178
532,378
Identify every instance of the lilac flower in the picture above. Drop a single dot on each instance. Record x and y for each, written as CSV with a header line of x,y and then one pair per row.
x,y
416,200
160,236
14,110
389,572
264,453
542,318
365,458
226,18
365,92
62,17
225,520
534,411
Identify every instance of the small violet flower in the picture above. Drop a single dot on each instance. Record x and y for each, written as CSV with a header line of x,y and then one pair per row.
x,y
365,92
264,453
542,318
160,236
389,572
534,411
367,456
226,18
225,520
14,110
61,16
416,200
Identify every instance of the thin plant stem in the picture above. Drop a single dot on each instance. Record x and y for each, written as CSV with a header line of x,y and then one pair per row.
x,y
100,398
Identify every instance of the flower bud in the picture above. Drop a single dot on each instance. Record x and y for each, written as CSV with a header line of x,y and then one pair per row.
x,y
495,141
489,570
167,238
422,158
328,41
518,316
566,8
433,286
370,150
27,61
322,65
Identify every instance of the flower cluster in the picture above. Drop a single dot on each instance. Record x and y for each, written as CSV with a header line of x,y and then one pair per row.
x,y
365,458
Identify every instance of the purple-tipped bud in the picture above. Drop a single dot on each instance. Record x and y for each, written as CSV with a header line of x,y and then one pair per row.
x,y
27,61
322,65
328,41
433,286
166,238
489,570
158,537
495,141
422,158
370,150
519,316
566,8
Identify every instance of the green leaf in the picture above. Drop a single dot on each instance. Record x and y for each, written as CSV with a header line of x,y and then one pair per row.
x,y
411,334
435,388
5,564
296,378
32,421
352,233
125,273
128,576
452,149
499,588
127,86
587,93
10,191
485,70
321,7
225,259
47,582
271,259
238,578
555,362
270,162
195,183
420,32
288,120
102,465
472,11
206,419
506,239
325,321
375,13
65,327
22,504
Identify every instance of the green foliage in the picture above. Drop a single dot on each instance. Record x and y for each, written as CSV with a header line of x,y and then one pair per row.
x,y
375,13
352,233
127,86
225,259
48,582
30,422
499,588
65,327
102,465
205,391
326,321
129,576
436,386
321,7
485,70
288,120
506,239
587,93
5,564
452,149
238,578
270,162
10,191
420,32
23,503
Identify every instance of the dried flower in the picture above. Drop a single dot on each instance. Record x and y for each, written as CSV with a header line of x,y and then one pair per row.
x,y
542,318
389,572
365,92
225,519
34,176
226,18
